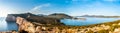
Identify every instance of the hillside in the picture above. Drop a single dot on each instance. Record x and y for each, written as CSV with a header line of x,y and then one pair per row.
x,y
60,16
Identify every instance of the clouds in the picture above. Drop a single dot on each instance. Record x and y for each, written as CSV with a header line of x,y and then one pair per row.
x,y
38,9
3,11
48,8
40,6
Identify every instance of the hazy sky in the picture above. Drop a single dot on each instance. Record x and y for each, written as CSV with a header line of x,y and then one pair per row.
x,y
70,7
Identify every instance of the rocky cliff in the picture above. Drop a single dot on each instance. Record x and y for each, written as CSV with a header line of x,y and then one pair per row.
x,y
24,25
12,17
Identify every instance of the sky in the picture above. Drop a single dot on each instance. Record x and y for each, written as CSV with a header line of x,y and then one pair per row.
x,y
70,7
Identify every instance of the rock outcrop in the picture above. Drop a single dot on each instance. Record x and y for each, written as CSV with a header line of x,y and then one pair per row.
x,y
25,26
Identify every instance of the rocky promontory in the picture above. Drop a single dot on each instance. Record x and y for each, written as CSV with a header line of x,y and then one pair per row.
x,y
12,17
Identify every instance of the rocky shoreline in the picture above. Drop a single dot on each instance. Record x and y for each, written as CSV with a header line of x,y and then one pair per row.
x,y
26,26
39,24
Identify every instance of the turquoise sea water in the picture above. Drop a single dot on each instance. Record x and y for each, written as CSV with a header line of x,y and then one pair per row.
x,y
88,21
6,26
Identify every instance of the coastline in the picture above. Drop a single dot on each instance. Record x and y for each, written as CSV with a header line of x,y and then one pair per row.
x,y
32,24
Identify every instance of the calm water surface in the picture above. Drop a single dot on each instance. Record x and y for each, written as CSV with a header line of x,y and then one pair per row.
x,y
88,21
6,26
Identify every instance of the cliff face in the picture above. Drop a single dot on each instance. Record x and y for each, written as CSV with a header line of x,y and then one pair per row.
x,y
10,18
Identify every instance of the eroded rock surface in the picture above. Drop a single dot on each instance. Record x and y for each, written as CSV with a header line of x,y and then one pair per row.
x,y
25,26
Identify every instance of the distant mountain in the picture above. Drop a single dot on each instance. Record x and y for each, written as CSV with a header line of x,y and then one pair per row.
x,y
99,16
